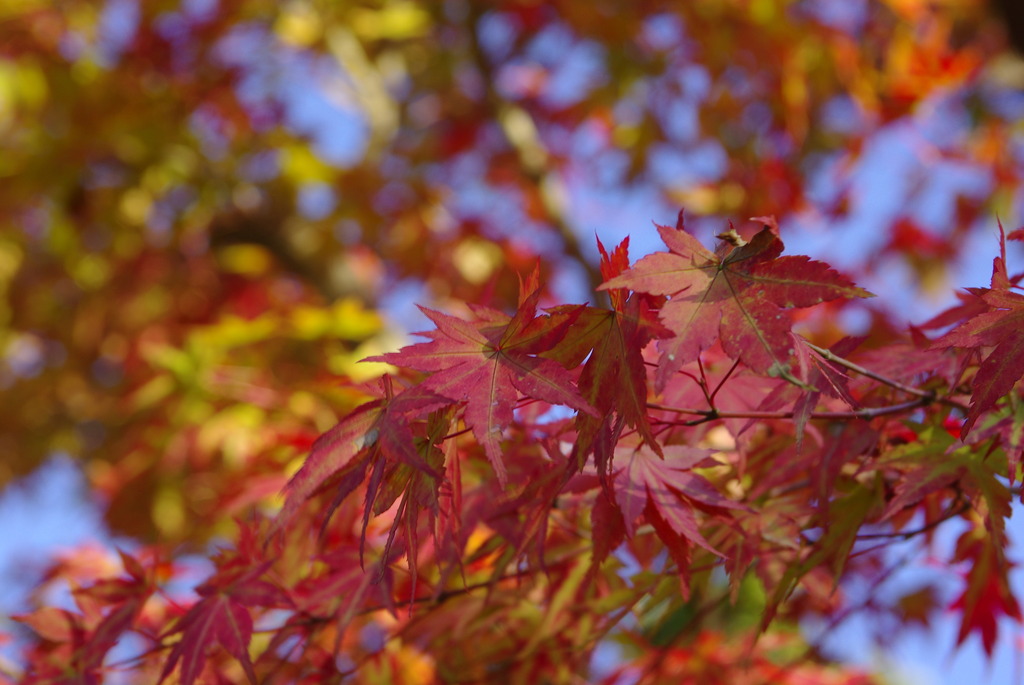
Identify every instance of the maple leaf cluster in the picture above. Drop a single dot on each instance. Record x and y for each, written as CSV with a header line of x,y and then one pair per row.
x,y
694,421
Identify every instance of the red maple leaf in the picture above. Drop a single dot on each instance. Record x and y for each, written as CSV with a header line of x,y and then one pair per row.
x,y
109,606
375,434
614,378
488,362
216,619
818,376
987,596
222,617
646,483
1000,328
739,295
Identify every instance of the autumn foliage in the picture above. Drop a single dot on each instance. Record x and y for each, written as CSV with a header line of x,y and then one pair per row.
x,y
663,480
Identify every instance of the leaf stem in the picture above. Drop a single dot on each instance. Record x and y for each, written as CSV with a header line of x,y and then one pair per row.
x,y
711,399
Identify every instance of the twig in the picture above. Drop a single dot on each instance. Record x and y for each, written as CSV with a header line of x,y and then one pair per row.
x,y
951,513
828,355
865,413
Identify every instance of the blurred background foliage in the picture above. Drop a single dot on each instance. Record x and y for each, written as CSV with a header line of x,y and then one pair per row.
x,y
209,209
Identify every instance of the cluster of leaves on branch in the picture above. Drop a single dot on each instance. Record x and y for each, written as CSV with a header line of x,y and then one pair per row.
x,y
457,497
207,209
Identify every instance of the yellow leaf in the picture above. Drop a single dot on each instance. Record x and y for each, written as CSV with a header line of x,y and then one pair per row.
x,y
395,21
301,165
249,260
299,24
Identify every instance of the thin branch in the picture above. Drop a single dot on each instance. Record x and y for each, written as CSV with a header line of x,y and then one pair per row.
x,y
137,658
865,413
456,433
828,355
952,513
